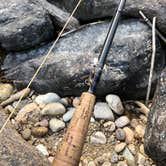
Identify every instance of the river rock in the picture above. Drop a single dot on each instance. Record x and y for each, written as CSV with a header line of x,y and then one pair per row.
x,y
5,91
120,147
56,125
42,149
23,25
129,135
69,114
97,9
155,133
98,138
115,104
120,134
114,157
139,131
26,134
53,109
122,121
39,131
72,59
140,159
47,98
30,111
129,157
13,149
102,111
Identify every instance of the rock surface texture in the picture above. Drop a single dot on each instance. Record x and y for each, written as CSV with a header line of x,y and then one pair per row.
x,y
155,134
23,25
126,71
12,145
97,9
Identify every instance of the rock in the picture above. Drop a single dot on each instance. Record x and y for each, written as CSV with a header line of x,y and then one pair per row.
x,y
115,104
114,158
122,121
76,101
56,125
13,149
42,149
59,16
26,134
141,149
122,163
102,111
132,149
96,9
47,98
5,91
155,133
129,135
23,25
23,93
127,65
141,159
120,147
64,101
92,119
110,125
51,159
129,157
134,123
106,163
98,138
120,134
39,131
69,114
53,109
139,131
43,123
91,163
30,111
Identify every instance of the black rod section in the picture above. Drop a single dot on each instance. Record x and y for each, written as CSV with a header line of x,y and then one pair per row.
x,y
106,46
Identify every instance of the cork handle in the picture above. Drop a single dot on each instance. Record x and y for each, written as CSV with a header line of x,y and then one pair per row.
x,y
70,149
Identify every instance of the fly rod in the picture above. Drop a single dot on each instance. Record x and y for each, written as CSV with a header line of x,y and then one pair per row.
x,y
70,149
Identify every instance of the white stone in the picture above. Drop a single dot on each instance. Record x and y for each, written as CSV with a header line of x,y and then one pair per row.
x,y
56,125
102,111
115,103
42,149
98,138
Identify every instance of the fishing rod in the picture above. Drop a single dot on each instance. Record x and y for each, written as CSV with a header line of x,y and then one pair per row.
x,y
70,149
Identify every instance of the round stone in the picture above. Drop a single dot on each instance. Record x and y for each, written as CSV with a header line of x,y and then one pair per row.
x,y
39,131
53,109
103,112
47,98
56,125
129,135
5,91
120,134
26,134
98,138
69,114
122,121
115,104
120,147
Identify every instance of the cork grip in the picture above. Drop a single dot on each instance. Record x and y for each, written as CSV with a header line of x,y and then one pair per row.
x,y
70,149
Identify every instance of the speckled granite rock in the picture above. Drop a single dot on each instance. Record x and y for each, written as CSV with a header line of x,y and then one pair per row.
x,y
14,151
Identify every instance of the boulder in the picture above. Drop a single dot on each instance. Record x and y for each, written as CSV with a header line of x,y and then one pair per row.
x,y
12,145
98,9
126,71
23,25
155,133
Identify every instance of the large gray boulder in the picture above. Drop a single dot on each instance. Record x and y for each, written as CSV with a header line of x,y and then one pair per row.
x,y
23,25
155,135
14,151
126,71
97,9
